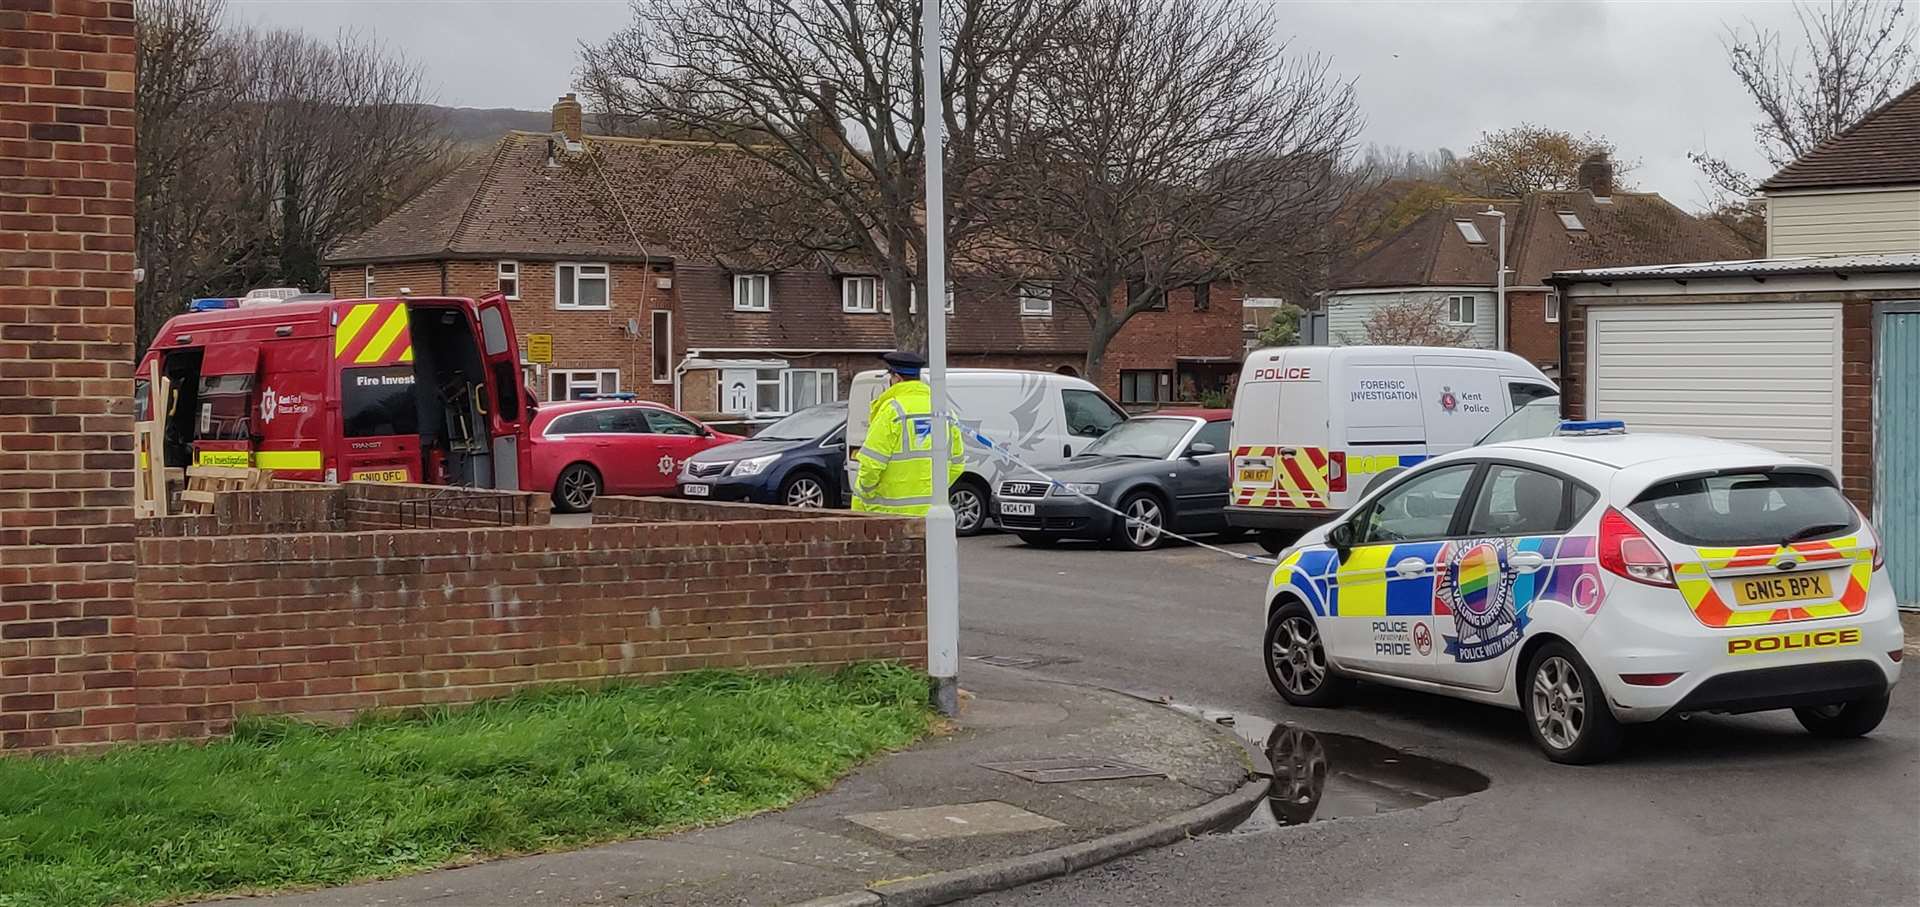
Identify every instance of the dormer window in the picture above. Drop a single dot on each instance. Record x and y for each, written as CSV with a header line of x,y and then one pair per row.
x,y
1470,232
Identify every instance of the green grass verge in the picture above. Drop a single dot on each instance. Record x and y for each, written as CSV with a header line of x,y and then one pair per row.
x,y
283,803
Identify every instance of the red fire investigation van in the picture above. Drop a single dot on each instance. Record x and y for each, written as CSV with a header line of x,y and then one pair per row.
x,y
405,389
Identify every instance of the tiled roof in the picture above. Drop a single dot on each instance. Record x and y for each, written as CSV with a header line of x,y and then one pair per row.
x,y
1882,149
1631,228
534,196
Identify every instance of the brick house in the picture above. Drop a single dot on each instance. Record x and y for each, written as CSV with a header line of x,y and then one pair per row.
x,y
1448,258
1813,351
612,248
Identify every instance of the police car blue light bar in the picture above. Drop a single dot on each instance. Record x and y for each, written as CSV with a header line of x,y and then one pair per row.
x,y
209,304
1593,427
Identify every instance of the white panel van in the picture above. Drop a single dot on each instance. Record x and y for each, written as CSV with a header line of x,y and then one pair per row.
x,y
1039,417
1314,426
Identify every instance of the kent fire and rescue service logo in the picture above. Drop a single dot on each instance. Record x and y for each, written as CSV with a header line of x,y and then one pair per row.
x,y
269,404
1447,400
667,465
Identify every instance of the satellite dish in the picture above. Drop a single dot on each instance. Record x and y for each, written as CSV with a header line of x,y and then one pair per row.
x,y
633,327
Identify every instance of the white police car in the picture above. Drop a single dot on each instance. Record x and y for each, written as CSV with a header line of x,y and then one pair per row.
x,y
1596,578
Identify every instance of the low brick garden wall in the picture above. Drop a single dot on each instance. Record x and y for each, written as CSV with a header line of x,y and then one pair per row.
x,y
318,610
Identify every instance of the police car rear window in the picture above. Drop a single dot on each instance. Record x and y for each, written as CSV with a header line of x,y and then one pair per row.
x,y
1747,508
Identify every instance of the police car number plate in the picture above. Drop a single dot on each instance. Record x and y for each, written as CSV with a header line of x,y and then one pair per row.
x,y
1263,475
1765,590
696,491
380,475
1015,508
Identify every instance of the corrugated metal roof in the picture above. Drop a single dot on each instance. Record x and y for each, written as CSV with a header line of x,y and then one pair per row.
x,y
1756,267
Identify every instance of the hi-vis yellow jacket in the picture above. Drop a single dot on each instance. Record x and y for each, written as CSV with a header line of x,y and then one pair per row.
x,y
896,460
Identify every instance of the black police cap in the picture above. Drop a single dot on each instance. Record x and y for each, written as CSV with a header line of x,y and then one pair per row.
x,y
904,361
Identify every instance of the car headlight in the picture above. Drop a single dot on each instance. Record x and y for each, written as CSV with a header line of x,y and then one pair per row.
x,y
1067,489
754,466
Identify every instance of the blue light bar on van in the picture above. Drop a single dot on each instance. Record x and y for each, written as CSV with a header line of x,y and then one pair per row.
x,y
1593,427
211,303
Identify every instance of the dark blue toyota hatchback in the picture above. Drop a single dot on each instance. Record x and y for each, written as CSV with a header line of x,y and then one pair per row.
x,y
796,461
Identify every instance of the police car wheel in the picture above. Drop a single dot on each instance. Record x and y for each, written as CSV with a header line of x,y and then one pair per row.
x,y
1274,541
969,504
1843,719
1566,709
1297,661
576,488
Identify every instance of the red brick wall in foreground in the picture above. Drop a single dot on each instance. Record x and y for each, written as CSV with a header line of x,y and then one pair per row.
x,y
325,624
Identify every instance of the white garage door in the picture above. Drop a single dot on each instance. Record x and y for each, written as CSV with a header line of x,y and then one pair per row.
x,y
1760,373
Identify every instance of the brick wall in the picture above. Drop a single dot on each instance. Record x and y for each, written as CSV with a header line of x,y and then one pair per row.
x,y
1155,339
66,354
320,616
380,505
1529,334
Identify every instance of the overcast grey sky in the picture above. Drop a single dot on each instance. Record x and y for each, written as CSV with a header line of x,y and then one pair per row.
x,y
1651,76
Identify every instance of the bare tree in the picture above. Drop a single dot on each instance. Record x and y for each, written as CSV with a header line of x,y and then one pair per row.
x,y
826,94
1414,323
259,149
1852,56
1167,144
1526,158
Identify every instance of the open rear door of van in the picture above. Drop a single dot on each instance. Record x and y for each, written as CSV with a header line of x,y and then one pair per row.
x,y
510,414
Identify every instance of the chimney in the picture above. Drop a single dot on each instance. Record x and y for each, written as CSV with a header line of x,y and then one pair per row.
x,y
1596,176
824,123
566,117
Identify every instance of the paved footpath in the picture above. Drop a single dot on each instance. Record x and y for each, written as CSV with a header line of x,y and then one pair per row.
x,y
919,827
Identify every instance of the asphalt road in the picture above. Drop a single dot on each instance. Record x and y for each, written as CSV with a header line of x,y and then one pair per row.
x,y
1716,810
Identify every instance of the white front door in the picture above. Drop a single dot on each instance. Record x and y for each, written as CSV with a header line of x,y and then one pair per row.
x,y
737,390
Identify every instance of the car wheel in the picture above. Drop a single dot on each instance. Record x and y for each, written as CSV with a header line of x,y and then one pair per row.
x,y
1566,709
576,488
969,504
1036,540
1274,541
1297,661
1843,719
804,490
1146,524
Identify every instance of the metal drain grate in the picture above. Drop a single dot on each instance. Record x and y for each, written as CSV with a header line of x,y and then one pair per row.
x,y
1006,661
1054,771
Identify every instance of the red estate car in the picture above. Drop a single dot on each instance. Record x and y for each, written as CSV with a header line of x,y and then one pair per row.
x,y
584,448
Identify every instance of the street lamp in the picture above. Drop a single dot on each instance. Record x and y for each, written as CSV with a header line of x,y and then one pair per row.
x,y
943,556
1500,281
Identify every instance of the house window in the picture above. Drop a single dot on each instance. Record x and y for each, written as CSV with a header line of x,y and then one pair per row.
x,y
860,294
1036,300
806,387
1461,310
913,298
580,286
1470,232
752,293
1146,386
662,346
1571,220
579,384
1202,296
1553,308
1136,289
366,289
507,277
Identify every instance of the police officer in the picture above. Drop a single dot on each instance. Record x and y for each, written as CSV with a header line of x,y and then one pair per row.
x,y
896,460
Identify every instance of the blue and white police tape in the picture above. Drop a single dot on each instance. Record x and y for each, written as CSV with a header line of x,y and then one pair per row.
x,y
1004,455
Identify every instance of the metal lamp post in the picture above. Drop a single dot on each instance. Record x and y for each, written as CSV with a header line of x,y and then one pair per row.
x,y
943,558
1500,281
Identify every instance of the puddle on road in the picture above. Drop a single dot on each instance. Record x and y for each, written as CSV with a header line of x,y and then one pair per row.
x,y
1318,775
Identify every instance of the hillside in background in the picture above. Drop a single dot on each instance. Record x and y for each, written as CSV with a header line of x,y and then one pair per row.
x,y
482,125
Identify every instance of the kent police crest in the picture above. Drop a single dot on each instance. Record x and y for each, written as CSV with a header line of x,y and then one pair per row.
x,y
1476,587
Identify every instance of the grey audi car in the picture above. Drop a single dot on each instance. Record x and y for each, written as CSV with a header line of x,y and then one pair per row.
x,y
1166,470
